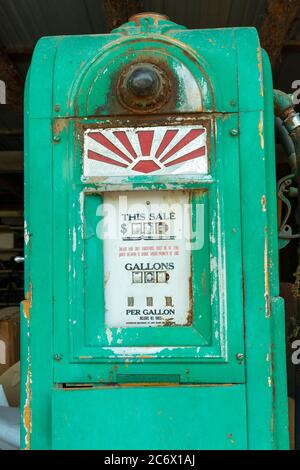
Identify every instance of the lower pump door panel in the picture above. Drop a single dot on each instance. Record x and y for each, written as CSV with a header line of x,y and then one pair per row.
x,y
149,417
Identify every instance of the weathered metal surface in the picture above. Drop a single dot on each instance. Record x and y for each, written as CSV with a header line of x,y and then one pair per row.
x,y
117,12
141,100
229,329
276,25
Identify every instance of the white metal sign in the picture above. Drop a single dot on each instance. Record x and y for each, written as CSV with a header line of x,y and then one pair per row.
x,y
147,258
145,150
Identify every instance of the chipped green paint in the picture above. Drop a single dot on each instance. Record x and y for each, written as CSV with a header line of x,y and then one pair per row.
x,y
221,379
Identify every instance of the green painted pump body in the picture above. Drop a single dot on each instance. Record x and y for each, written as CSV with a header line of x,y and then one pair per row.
x,y
214,379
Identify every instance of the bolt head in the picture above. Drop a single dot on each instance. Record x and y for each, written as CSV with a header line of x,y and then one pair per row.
x,y
143,81
234,132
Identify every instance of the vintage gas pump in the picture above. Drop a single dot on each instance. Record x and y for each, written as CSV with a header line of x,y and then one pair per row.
x,y
152,317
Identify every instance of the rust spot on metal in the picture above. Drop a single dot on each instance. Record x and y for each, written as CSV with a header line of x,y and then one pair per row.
x,y
120,100
27,303
264,203
117,12
27,410
144,120
169,322
189,318
275,26
157,98
58,126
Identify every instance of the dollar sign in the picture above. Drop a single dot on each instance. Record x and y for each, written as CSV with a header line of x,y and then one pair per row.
x,y
123,229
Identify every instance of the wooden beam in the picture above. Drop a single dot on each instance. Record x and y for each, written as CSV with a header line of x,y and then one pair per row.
x,y
10,132
276,25
11,214
117,12
13,83
292,45
11,162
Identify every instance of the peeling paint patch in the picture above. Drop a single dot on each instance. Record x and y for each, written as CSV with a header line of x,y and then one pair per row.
x,y
212,41
260,71
26,234
27,303
145,352
27,410
269,382
74,240
267,285
214,271
260,130
212,234
192,92
222,285
132,351
81,213
109,335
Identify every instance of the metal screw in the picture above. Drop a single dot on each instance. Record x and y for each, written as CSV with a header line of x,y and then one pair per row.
x,y
232,103
57,357
57,108
240,356
56,137
234,132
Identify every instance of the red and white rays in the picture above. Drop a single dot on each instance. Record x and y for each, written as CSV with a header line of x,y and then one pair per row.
x,y
145,150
